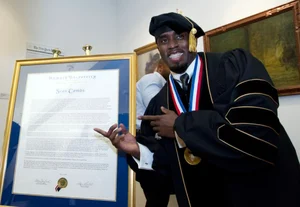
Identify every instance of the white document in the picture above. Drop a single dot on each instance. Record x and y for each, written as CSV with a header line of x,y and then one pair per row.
x,y
57,140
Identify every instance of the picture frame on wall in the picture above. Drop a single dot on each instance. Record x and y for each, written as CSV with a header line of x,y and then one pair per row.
x,y
51,154
146,56
272,36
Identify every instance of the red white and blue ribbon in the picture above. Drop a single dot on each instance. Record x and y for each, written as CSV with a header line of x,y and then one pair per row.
x,y
194,92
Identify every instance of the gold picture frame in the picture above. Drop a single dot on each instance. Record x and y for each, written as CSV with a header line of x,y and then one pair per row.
x,y
272,36
145,54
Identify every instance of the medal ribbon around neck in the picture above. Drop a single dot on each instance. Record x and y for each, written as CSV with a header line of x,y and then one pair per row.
x,y
195,89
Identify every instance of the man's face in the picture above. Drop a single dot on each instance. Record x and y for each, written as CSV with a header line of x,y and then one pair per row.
x,y
174,50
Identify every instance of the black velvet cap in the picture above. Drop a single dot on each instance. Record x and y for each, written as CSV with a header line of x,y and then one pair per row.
x,y
172,21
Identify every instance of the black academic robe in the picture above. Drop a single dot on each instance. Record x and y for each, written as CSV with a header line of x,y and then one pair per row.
x,y
247,158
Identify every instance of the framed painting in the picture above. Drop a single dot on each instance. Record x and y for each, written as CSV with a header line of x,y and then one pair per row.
x,y
272,36
147,56
51,154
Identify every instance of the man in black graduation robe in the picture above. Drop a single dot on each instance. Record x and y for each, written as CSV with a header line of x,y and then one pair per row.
x,y
237,168
240,155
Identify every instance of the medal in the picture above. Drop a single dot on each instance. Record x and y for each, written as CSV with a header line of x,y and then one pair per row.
x,y
190,158
193,100
61,183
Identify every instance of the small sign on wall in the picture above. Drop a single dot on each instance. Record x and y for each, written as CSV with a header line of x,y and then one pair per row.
x,y
4,96
34,51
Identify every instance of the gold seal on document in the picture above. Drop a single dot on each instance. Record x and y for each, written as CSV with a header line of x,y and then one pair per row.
x,y
62,183
190,158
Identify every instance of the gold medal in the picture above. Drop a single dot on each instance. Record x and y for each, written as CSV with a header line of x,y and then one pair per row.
x,y
62,183
190,158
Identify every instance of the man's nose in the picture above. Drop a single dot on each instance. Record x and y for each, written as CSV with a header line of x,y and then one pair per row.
x,y
173,43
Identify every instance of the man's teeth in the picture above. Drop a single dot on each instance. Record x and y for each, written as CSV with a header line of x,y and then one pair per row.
x,y
177,55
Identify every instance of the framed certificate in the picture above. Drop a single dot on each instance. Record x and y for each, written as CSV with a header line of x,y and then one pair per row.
x,y
51,154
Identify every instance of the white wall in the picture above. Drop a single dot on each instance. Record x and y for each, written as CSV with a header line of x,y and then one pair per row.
x,y
67,24
13,38
134,18
70,24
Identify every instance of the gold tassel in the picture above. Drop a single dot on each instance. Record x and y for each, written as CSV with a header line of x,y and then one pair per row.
x,y
192,40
